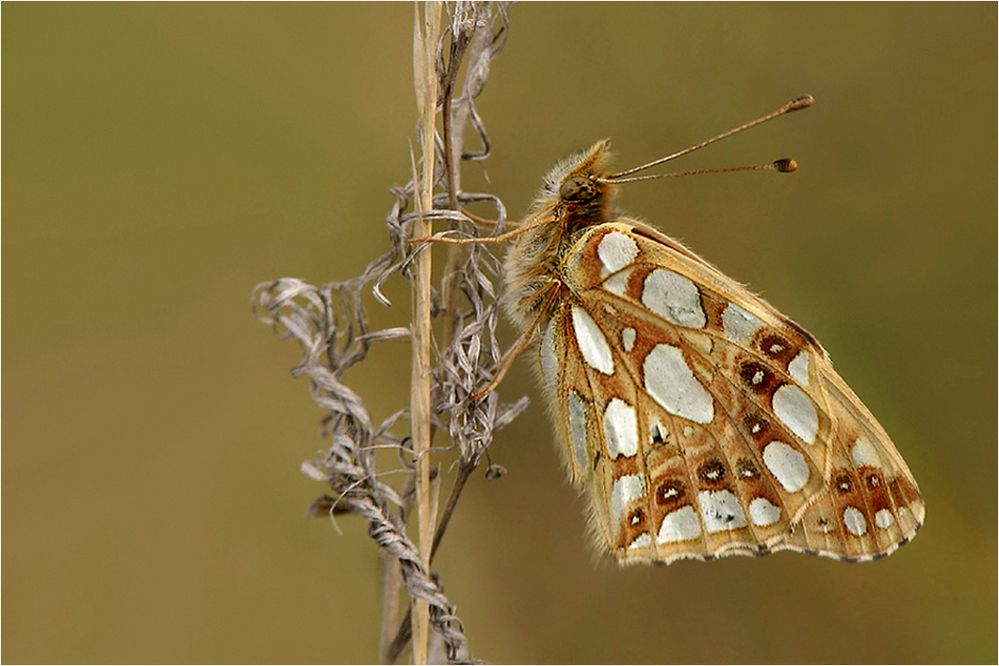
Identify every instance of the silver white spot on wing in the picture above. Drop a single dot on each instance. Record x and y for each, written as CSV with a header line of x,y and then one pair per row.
x,y
854,521
657,433
670,381
787,465
884,519
713,473
621,429
674,297
625,490
618,283
739,325
863,454
592,343
797,411
628,339
679,525
798,368
721,510
549,366
577,429
763,512
641,541
616,250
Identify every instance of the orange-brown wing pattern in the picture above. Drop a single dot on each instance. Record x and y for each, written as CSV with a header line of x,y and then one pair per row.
x,y
702,421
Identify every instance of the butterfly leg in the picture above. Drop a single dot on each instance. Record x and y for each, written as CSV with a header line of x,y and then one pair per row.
x,y
518,348
502,238
481,221
522,343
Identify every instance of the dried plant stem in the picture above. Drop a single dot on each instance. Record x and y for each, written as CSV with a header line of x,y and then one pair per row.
x,y
457,44
331,326
427,36
397,643
390,571
391,581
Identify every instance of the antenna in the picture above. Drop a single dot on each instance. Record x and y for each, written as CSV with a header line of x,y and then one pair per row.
x,y
783,165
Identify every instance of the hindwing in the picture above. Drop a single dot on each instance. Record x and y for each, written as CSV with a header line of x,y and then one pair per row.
x,y
702,421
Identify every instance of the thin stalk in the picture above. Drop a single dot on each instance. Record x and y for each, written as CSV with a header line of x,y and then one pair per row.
x,y
426,38
403,634
452,146
391,581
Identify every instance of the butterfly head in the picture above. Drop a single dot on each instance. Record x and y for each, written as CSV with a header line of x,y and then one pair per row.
x,y
576,189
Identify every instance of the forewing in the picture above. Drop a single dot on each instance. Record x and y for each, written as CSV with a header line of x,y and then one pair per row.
x,y
705,423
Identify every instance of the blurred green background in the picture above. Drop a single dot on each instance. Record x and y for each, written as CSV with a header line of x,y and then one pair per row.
x,y
161,159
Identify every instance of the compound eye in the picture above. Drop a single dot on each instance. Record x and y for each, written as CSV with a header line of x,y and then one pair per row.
x,y
577,188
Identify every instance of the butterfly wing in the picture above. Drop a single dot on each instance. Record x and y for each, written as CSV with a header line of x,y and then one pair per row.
x,y
705,423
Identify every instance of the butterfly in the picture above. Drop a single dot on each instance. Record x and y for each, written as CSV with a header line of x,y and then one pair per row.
x,y
700,421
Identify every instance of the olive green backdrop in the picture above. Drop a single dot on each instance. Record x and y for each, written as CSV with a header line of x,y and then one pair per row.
x,y
159,160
